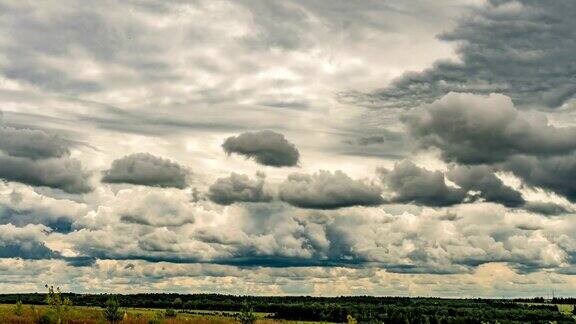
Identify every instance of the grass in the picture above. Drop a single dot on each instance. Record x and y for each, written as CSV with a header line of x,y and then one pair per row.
x,y
94,315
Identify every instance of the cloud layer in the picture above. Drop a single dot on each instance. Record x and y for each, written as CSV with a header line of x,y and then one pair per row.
x,y
521,49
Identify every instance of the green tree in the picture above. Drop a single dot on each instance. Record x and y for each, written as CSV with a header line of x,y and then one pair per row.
x,y
18,309
58,305
113,313
247,315
177,303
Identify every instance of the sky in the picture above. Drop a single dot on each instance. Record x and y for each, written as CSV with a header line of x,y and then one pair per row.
x,y
294,147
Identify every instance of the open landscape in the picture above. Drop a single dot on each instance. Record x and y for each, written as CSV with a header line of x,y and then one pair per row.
x,y
213,308
287,161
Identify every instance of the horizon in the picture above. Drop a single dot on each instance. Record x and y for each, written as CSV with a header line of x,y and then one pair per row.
x,y
289,148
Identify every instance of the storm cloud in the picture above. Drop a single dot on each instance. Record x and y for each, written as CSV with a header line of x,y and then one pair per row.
x,y
520,48
239,188
147,170
327,190
265,147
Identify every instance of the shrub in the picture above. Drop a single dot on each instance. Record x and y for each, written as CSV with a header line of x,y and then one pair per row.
x,y
113,313
58,305
18,309
247,316
45,319
169,313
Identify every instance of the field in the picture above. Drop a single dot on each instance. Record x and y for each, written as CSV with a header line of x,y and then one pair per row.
x,y
90,314
181,308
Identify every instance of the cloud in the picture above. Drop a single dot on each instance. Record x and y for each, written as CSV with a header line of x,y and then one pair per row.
x,y
278,235
326,190
489,186
24,242
473,129
265,147
515,47
239,188
22,205
154,208
412,184
551,173
147,170
31,143
60,173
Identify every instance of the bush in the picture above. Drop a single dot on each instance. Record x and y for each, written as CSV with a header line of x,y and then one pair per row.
x,y
18,309
169,313
113,313
247,316
45,319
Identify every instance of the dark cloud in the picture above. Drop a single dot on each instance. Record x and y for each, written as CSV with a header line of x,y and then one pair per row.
x,y
546,208
412,184
265,147
238,188
489,186
147,170
31,143
326,190
474,129
522,48
60,173
551,173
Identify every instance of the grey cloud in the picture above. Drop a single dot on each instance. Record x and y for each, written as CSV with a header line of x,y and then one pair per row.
x,y
552,173
31,143
24,242
546,208
147,170
60,173
412,184
483,179
523,49
474,129
326,190
239,188
265,147
277,235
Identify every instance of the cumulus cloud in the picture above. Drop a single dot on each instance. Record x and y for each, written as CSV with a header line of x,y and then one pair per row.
x,y
483,180
327,190
147,170
24,242
409,183
37,158
520,48
239,188
22,205
265,147
551,173
279,235
475,129
60,173
32,143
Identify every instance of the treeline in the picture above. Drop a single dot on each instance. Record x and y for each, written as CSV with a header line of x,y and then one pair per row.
x,y
555,300
364,309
